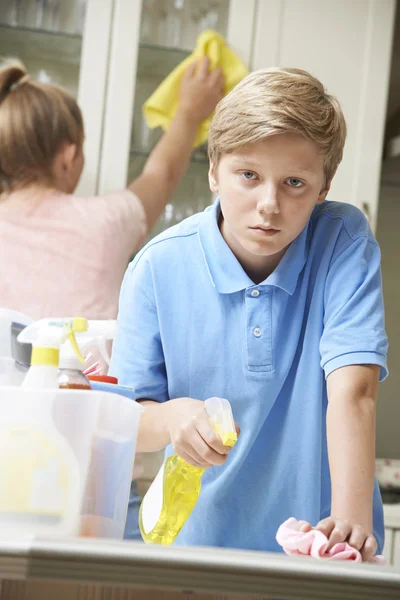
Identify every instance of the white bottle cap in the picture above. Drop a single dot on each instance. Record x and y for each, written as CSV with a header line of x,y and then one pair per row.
x,y
68,358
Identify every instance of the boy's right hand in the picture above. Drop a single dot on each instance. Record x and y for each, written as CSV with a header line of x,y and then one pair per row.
x,y
192,436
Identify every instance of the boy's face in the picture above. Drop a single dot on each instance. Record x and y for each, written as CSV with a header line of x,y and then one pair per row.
x,y
268,191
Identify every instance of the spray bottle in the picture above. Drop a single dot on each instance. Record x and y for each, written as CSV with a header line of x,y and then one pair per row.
x,y
174,492
46,337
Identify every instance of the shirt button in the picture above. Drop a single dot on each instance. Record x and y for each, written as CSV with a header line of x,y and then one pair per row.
x,y
255,293
257,331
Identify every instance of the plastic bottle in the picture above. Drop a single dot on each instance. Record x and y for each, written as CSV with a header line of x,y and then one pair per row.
x,y
96,346
40,483
70,375
41,488
175,490
46,337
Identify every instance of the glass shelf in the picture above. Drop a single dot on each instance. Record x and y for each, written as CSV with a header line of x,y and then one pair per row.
x,y
159,61
49,56
198,156
40,44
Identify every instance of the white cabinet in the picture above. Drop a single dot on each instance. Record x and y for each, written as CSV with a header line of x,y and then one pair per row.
x,y
391,550
346,44
65,42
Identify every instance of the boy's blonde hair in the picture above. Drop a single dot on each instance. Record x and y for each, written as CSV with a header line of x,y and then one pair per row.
x,y
277,100
36,119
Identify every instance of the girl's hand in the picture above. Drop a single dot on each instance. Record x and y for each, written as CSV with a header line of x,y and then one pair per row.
x,y
337,531
201,90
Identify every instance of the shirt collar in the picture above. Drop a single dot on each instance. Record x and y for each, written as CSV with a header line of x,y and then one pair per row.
x,y
227,274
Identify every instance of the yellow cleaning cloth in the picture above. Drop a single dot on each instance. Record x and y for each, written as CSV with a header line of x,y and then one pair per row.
x,y
162,105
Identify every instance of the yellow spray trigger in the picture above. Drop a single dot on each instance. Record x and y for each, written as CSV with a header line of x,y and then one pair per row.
x,y
79,325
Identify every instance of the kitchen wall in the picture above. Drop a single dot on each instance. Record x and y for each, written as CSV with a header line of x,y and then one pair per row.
x,y
388,235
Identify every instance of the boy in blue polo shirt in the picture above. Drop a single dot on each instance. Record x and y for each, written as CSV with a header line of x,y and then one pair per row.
x,y
271,298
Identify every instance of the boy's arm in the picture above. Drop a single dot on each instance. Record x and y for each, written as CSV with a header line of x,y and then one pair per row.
x,y
351,416
200,92
353,355
352,395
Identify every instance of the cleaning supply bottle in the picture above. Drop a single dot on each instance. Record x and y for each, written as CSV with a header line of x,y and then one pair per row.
x,y
46,337
174,492
70,373
95,345
40,482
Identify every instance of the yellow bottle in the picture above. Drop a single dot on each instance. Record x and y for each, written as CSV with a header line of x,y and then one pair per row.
x,y
176,489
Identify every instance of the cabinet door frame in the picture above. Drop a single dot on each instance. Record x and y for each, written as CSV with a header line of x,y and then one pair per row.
x,y
120,94
92,87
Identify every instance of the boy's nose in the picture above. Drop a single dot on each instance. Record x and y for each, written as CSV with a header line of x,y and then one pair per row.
x,y
269,202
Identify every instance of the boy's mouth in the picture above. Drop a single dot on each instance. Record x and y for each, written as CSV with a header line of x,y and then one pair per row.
x,y
263,230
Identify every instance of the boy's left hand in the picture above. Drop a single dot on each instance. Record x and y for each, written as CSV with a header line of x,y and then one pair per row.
x,y
338,531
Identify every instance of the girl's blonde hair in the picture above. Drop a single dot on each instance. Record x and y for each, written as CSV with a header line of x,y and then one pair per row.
x,y
277,100
36,119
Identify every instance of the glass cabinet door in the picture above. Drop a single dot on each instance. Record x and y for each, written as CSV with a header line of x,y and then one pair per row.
x,y
168,32
46,35
65,42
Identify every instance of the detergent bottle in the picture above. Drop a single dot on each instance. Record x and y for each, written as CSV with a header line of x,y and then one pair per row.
x,y
46,337
40,482
174,492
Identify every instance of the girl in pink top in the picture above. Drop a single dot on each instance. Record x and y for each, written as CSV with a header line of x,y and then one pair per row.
x,y
62,255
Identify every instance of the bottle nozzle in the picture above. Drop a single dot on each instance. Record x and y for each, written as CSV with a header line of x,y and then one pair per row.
x,y
220,414
77,325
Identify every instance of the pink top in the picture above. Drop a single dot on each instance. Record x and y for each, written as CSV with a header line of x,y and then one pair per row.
x,y
61,255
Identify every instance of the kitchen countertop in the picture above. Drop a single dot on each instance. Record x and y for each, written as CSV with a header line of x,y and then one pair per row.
x,y
181,572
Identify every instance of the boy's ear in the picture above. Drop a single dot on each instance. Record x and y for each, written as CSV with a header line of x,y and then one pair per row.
x,y
212,179
324,192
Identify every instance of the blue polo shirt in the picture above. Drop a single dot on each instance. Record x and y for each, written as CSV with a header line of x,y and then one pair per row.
x,y
192,323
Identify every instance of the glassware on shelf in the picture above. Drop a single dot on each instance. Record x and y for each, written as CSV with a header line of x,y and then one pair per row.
x,y
174,23
80,14
162,22
65,16
51,15
16,12
177,23
150,17
21,13
208,15
212,15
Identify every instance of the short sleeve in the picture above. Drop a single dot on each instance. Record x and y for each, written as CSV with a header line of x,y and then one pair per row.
x,y
354,328
137,356
124,218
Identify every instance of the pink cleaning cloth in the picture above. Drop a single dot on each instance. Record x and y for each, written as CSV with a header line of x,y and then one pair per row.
x,y
315,543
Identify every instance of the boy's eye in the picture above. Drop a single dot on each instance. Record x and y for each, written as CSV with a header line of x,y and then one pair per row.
x,y
294,182
248,175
